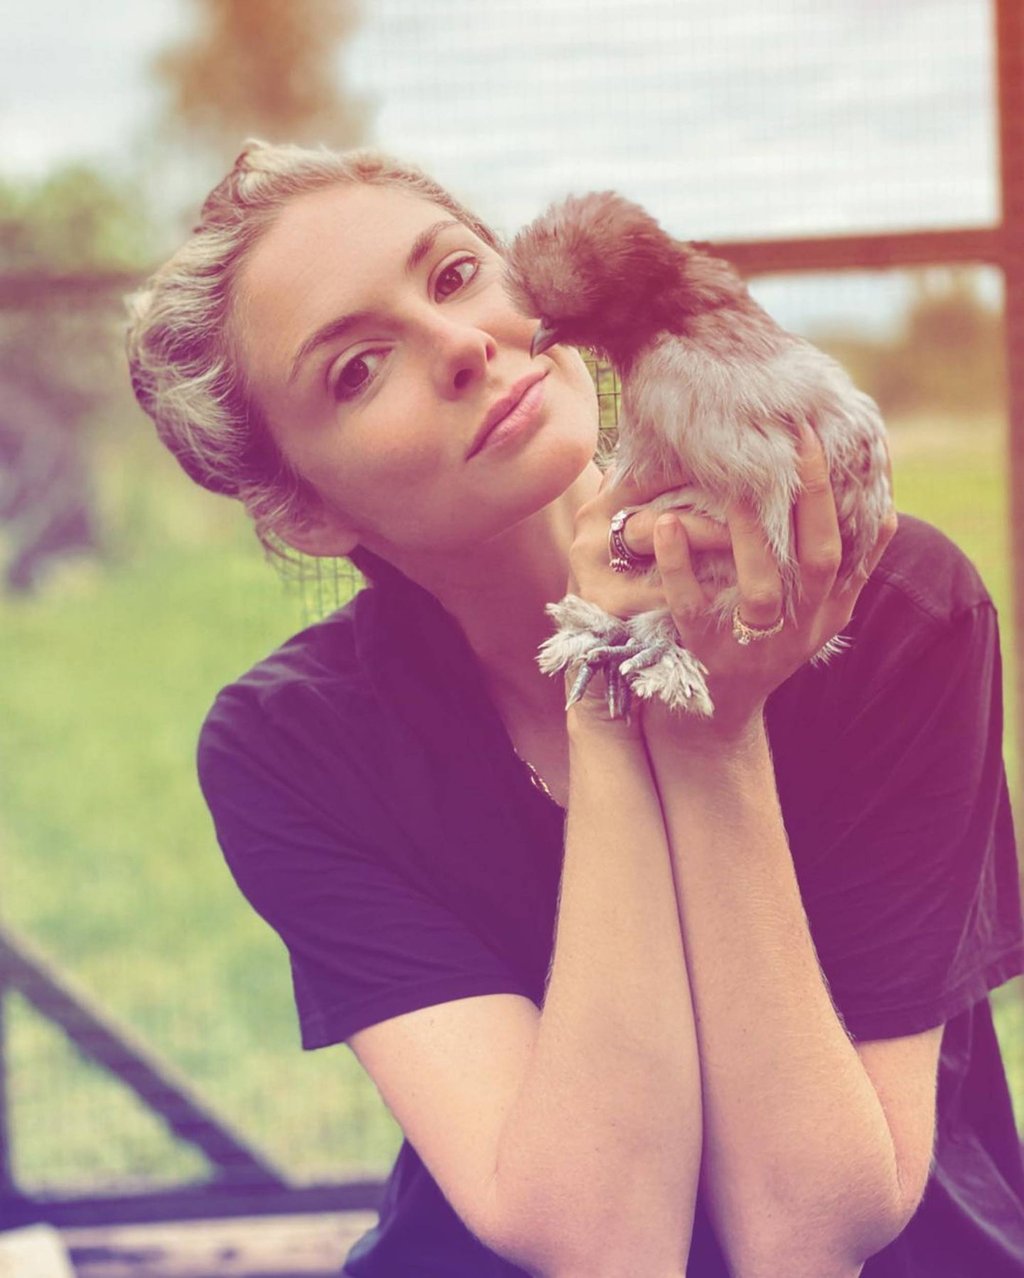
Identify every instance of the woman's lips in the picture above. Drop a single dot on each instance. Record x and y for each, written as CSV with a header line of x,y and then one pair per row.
x,y
524,413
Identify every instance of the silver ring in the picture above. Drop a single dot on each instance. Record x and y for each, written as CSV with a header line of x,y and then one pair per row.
x,y
620,557
744,634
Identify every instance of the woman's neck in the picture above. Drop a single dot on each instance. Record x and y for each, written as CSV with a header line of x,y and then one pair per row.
x,y
498,595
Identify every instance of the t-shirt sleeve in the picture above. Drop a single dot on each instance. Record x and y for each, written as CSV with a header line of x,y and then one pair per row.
x,y
910,877
364,943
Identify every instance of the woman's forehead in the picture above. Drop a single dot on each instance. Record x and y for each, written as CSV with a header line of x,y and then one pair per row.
x,y
352,223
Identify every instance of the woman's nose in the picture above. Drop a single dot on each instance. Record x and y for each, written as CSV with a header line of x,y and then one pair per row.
x,y
460,355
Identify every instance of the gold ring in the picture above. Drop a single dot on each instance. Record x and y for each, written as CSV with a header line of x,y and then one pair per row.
x,y
745,634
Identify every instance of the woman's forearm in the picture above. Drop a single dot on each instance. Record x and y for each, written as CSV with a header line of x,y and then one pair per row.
x,y
799,1160
600,1153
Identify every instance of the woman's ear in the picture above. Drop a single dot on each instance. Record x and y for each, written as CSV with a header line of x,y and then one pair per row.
x,y
320,532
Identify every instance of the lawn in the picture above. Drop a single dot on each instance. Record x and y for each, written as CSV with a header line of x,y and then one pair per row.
x,y
111,866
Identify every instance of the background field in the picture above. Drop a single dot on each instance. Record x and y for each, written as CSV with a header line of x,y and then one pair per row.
x,y
111,865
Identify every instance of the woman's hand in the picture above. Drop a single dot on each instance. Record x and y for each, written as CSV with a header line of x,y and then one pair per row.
x,y
740,677
591,577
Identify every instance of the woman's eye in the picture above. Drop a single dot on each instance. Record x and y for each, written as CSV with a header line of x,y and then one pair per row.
x,y
453,277
356,375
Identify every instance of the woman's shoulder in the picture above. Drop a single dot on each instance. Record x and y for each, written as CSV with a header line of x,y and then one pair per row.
x,y
316,730
924,572
924,593
323,660
924,614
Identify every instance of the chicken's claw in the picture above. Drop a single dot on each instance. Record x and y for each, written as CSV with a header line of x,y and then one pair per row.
x,y
608,657
641,656
582,627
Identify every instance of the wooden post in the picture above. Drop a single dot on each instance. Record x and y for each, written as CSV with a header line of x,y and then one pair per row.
x,y
6,1168
1010,59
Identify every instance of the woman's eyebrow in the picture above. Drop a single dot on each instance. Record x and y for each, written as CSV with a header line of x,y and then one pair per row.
x,y
328,332
336,328
424,242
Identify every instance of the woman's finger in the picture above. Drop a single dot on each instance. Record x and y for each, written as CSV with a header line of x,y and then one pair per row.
x,y
885,535
684,595
702,533
757,573
888,466
819,547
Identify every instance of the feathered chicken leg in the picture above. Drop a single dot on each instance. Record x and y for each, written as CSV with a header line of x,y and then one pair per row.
x,y
641,656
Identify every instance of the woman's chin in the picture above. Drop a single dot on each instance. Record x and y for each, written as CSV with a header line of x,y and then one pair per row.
x,y
565,478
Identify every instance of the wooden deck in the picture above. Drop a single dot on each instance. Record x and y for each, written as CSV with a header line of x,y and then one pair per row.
x,y
306,1246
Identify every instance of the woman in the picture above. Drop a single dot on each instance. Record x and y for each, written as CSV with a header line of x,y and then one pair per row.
x,y
714,1002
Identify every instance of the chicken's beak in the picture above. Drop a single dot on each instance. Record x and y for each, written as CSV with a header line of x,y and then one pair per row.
x,y
545,336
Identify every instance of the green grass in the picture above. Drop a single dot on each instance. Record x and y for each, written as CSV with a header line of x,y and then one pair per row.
x,y
112,867
110,861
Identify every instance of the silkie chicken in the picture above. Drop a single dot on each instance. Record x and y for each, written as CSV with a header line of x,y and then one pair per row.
x,y
713,393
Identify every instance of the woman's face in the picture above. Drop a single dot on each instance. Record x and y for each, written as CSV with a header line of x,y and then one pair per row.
x,y
375,334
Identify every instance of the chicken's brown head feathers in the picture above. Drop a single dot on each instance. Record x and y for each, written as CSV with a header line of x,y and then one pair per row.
x,y
598,271
592,269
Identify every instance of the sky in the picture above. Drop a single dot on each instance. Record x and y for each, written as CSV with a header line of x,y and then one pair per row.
x,y
742,118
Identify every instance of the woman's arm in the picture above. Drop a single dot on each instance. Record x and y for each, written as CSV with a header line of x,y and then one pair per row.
x,y
799,1162
599,1155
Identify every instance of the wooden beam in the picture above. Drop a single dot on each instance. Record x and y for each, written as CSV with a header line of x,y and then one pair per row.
x,y
118,1050
21,289
1010,76
871,251
6,1172
358,1191
247,1247
875,251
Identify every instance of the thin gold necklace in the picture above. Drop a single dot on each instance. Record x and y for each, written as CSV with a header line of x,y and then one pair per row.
x,y
536,780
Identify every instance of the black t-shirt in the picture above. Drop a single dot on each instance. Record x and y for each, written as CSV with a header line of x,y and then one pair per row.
x,y
372,810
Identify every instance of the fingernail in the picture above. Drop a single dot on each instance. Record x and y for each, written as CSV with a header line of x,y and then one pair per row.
x,y
667,526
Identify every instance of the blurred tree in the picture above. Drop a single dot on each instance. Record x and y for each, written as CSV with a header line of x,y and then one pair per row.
x,y
75,219
59,354
263,67
953,343
948,356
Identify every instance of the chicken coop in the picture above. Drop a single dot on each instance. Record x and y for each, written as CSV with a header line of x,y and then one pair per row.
x,y
157,1117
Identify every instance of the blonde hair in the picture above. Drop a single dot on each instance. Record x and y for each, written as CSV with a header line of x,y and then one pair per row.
x,y
184,371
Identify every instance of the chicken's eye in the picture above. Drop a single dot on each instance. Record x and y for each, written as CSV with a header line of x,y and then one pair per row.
x,y
455,276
